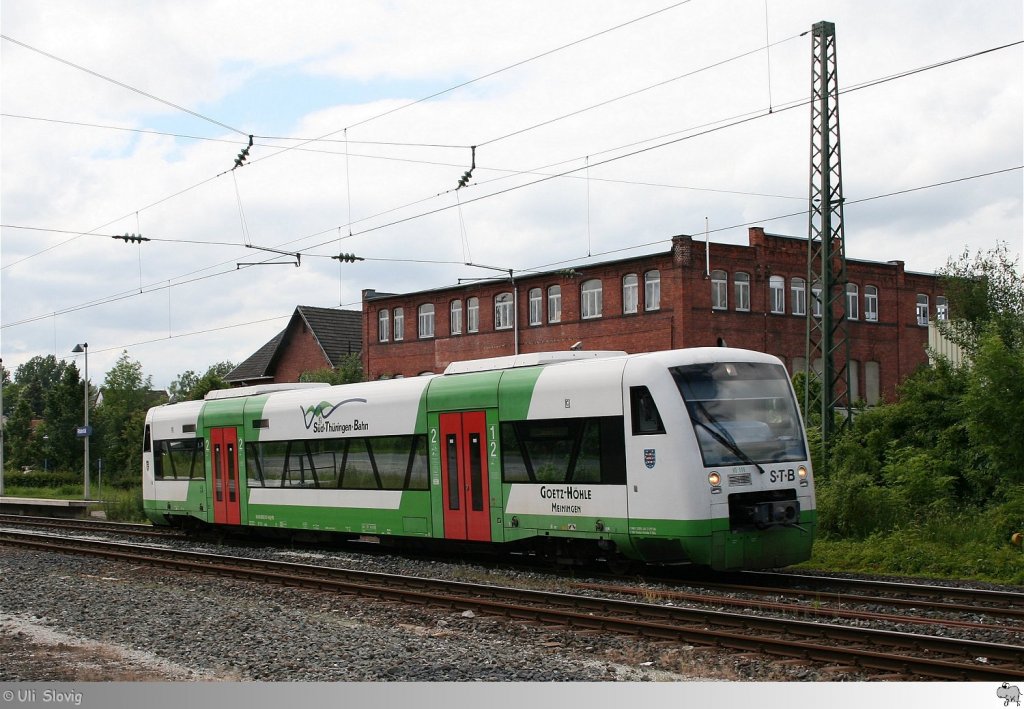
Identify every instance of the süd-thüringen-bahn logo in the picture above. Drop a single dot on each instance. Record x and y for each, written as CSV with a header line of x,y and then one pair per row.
x,y
318,417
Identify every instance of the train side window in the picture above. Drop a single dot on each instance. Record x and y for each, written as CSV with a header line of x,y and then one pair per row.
x,y
377,463
584,451
646,419
254,466
147,441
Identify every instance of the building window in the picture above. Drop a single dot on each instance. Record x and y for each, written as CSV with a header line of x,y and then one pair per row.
x,y
652,290
503,311
941,308
590,299
852,302
742,284
555,304
399,318
799,365
871,304
383,325
853,395
719,290
425,320
798,296
630,293
777,285
536,305
472,315
456,317
872,386
922,309
816,299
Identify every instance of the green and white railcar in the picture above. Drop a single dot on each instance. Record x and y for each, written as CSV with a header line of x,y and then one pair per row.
x,y
692,456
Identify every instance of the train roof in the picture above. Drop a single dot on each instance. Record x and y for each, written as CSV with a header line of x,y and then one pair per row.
x,y
255,390
531,359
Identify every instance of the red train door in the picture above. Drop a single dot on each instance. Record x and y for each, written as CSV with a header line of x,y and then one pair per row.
x,y
464,476
224,459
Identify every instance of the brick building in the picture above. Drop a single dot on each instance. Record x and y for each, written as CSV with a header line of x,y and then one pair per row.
x,y
315,338
754,296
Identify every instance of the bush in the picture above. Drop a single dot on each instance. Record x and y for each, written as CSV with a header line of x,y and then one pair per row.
x,y
854,506
920,483
47,479
1004,520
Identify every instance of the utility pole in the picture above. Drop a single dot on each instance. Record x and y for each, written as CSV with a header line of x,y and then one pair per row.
x,y
828,349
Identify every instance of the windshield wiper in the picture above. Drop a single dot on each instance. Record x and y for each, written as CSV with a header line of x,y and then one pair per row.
x,y
725,440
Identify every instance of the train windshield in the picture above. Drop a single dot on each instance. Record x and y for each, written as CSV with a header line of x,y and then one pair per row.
x,y
742,412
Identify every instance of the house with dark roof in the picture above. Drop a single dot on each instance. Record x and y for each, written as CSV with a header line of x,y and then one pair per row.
x,y
315,338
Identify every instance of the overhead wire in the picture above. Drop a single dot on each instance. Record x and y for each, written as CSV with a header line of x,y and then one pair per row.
x,y
522,62
746,118
636,92
122,84
159,287
561,174
544,267
327,135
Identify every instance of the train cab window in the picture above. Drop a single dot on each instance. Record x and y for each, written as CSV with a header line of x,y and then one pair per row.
x,y
180,459
646,419
147,441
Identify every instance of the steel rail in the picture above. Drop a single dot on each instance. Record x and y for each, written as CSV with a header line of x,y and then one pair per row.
x,y
818,610
788,638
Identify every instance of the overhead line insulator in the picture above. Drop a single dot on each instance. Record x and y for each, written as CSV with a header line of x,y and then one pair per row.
x,y
131,238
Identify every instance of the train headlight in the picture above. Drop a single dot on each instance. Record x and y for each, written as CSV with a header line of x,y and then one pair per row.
x,y
715,479
802,472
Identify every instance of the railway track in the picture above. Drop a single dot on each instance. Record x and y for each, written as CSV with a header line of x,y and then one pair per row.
x,y
81,525
821,596
876,652
825,606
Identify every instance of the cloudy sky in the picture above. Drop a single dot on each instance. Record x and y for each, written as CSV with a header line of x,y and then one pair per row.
x,y
602,128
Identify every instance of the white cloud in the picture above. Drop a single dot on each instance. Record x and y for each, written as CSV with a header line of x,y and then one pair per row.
x,y
313,68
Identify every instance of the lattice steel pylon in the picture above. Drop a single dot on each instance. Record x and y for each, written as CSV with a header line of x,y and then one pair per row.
x,y
828,352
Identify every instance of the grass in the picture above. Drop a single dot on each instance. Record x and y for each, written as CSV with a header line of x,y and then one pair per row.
x,y
119,505
911,553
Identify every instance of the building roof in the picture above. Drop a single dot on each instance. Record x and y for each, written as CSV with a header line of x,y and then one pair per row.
x,y
338,332
257,366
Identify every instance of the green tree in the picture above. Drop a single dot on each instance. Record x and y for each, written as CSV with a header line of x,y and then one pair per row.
x,y
23,449
126,397
61,417
994,402
953,441
9,397
348,371
189,386
182,385
36,377
986,294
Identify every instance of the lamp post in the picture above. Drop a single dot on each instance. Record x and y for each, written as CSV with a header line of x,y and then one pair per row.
x,y
84,347
515,297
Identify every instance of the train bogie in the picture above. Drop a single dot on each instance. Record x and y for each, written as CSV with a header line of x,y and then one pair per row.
x,y
688,456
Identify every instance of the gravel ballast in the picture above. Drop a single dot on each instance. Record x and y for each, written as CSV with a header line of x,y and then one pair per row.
x,y
77,618
69,617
